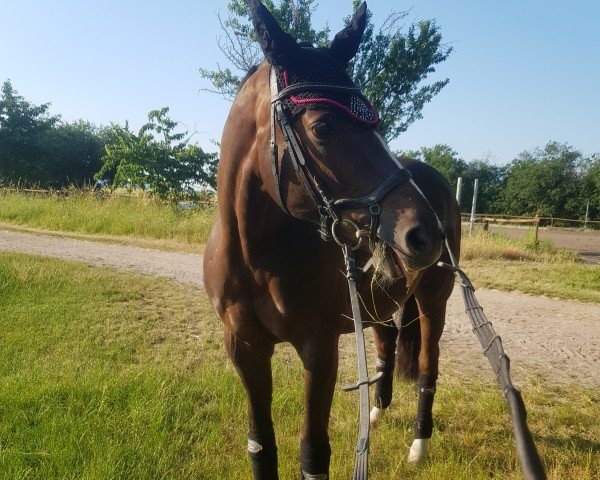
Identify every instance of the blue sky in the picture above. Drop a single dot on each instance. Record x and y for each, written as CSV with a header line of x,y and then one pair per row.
x,y
522,72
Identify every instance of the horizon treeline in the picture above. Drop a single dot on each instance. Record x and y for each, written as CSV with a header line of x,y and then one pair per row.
x,y
38,149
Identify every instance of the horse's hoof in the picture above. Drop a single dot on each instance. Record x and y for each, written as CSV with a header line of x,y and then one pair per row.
x,y
419,450
376,415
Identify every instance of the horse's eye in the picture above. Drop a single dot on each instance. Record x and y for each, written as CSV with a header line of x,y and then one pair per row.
x,y
321,129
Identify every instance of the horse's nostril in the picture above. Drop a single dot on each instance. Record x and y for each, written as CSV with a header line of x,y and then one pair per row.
x,y
417,240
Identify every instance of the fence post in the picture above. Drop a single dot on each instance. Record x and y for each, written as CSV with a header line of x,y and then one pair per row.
x,y
537,227
473,206
587,213
458,191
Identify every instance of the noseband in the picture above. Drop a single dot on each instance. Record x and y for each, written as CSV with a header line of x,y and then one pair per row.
x,y
327,207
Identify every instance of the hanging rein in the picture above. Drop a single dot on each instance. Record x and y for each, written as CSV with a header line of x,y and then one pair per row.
x,y
329,222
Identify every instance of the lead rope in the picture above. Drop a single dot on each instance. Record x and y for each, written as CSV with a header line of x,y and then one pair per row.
x,y
531,463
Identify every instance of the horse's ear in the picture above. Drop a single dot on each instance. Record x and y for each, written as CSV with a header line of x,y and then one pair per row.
x,y
278,46
345,44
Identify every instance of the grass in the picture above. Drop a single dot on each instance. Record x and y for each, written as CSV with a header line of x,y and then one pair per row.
x,y
133,219
111,375
491,260
498,262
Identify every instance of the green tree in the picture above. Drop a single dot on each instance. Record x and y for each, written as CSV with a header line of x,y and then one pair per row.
x,y
492,178
24,128
592,186
390,66
492,181
547,182
73,154
156,159
444,159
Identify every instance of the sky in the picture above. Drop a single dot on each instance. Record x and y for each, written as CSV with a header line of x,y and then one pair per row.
x,y
522,73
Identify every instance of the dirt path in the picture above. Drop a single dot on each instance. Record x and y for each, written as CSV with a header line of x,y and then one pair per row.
x,y
184,267
559,339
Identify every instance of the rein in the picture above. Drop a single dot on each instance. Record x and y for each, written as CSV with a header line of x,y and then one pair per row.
x,y
328,224
531,463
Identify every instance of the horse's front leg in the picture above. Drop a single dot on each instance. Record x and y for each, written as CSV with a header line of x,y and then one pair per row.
x,y
253,364
320,359
385,334
432,312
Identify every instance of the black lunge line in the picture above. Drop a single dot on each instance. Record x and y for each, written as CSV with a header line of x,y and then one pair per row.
x,y
531,463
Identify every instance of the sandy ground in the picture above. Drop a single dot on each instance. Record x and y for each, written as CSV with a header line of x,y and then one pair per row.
x,y
555,339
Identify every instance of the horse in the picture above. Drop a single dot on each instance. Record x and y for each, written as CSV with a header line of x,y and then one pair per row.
x,y
301,162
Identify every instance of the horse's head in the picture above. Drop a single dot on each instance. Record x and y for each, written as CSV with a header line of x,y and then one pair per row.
x,y
344,161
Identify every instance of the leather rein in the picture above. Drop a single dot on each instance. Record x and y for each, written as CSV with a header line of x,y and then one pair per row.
x,y
328,208
330,218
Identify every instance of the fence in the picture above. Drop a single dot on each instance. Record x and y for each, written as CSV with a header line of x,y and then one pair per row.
x,y
536,222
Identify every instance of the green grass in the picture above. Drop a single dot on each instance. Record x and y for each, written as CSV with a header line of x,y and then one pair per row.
x,y
109,375
490,260
136,217
495,261
492,246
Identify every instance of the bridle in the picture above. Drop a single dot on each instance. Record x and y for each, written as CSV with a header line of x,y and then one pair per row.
x,y
330,218
327,207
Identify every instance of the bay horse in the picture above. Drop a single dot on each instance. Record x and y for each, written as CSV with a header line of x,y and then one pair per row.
x,y
299,149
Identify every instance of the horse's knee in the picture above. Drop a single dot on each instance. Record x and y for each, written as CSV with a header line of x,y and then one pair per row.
x,y
314,460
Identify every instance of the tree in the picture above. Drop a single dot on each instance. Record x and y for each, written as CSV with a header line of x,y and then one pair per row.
x,y
591,189
546,182
23,131
444,159
73,154
156,159
492,180
390,67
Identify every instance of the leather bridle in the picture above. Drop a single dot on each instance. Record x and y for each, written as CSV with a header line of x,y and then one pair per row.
x,y
330,218
327,207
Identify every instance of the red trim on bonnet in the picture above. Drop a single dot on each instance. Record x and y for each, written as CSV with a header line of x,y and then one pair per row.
x,y
300,101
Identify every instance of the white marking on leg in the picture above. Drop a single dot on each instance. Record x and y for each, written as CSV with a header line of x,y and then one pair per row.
x,y
376,415
419,450
254,447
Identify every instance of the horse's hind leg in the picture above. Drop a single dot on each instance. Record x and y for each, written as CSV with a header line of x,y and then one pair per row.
x,y
254,368
385,341
320,359
431,303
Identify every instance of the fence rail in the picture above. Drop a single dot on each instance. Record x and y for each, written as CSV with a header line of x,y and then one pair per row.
x,y
502,218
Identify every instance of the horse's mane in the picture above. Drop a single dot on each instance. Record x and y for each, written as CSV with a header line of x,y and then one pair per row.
x,y
249,73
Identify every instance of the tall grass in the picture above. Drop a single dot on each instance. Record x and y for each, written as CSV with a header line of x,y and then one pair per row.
x,y
537,268
492,246
110,375
83,211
